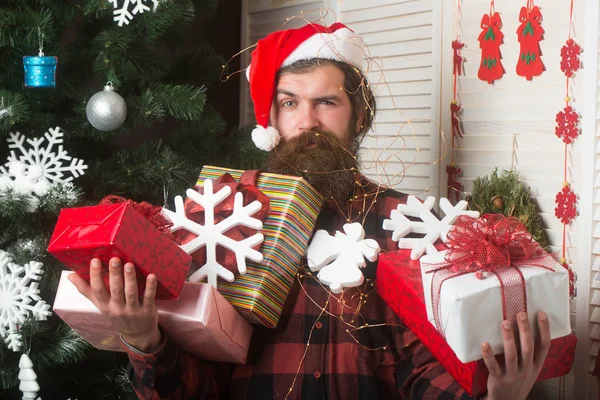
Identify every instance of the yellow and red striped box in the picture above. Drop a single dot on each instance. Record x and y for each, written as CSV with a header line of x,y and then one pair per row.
x,y
259,295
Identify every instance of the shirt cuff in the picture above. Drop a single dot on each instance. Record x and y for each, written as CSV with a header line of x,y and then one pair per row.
x,y
142,356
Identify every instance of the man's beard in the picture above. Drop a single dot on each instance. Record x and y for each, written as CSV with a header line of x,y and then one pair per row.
x,y
327,163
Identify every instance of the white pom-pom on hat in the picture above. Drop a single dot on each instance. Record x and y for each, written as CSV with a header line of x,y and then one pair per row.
x,y
265,138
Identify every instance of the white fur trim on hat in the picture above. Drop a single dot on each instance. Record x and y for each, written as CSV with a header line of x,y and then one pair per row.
x,y
265,138
341,45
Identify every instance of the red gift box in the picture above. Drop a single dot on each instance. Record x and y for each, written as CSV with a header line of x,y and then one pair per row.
x,y
117,230
399,284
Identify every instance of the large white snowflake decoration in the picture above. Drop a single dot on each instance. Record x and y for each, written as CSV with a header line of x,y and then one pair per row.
x,y
33,171
122,14
339,258
211,235
430,225
18,288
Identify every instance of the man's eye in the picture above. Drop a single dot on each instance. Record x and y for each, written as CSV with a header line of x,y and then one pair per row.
x,y
327,102
288,103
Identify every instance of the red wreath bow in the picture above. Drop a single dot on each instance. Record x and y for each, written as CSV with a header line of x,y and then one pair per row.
x,y
195,212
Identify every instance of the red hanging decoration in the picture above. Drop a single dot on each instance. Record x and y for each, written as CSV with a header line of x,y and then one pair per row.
x,y
455,108
490,40
569,54
567,125
457,46
530,33
572,278
565,205
454,185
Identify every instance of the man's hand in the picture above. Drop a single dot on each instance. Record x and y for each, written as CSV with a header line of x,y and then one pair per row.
x,y
136,319
515,380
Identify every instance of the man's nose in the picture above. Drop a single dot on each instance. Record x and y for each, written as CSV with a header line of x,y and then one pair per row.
x,y
309,119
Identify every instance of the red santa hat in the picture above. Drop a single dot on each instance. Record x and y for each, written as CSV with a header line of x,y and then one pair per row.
x,y
283,48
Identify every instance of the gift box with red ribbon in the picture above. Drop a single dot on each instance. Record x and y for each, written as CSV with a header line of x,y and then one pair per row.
x,y
135,232
491,270
201,322
290,207
399,282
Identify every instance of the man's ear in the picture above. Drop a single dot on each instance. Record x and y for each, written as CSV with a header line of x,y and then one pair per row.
x,y
359,121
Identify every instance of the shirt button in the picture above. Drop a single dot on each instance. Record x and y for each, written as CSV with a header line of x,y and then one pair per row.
x,y
318,325
317,374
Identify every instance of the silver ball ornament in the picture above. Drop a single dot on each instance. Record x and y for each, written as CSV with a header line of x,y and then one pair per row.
x,y
106,110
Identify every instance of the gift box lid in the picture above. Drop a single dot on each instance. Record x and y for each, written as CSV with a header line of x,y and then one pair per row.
x,y
81,223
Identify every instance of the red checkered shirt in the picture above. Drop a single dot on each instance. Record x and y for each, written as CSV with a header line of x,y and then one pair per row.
x,y
380,360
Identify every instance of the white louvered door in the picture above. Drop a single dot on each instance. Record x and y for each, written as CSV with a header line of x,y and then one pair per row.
x,y
403,40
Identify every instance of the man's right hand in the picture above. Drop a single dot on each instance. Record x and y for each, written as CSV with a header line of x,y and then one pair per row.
x,y
134,317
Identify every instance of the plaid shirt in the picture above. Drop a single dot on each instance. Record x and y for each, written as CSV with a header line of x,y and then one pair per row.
x,y
381,360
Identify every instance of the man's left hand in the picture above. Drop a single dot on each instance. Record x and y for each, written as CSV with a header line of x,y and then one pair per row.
x,y
515,380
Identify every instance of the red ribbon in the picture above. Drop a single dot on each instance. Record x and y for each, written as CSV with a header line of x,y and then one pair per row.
x,y
151,212
195,212
494,244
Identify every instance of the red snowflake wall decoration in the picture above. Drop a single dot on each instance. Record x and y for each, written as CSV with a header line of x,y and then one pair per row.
x,y
569,54
567,125
565,205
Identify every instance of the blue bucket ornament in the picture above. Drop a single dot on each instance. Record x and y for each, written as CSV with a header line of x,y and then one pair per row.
x,y
40,71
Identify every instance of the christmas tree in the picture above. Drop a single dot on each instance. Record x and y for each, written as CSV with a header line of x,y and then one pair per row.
x,y
145,138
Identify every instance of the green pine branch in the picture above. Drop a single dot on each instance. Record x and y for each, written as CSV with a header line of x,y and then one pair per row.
x,y
516,198
14,110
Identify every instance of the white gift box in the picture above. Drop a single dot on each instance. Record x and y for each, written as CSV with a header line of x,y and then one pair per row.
x,y
471,308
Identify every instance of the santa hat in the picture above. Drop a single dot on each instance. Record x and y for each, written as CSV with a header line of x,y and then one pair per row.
x,y
283,48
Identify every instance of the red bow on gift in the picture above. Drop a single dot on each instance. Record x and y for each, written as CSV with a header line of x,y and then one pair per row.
x,y
490,243
495,244
195,212
151,212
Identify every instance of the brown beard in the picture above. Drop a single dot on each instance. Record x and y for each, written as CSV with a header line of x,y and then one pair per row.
x,y
330,167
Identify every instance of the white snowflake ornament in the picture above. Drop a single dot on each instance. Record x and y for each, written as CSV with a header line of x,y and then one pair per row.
x,y
33,171
430,225
122,14
339,258
17,290
212,235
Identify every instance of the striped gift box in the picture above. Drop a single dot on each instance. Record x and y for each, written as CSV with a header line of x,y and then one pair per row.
x,y
259,295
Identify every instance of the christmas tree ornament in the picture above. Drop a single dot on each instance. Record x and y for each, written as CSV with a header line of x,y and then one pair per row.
x,y
455,109
339,258
566,208
106,110
28,378
569,55
457,58
567,125
454,185
530,33
123,12
33,171
19,295
40,70
431,225
212,234
490,40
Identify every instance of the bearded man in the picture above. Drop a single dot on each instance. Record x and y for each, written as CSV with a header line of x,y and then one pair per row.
x,y
306,83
